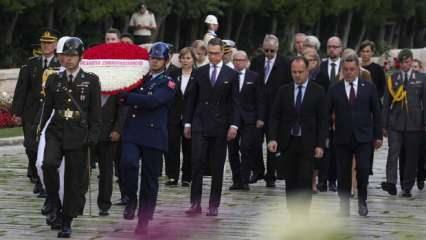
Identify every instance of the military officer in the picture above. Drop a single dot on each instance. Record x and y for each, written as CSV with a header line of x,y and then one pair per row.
x,y
404,123
74,95
145,137
28,97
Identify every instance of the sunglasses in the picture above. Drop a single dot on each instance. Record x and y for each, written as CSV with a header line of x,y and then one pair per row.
x,y
269,50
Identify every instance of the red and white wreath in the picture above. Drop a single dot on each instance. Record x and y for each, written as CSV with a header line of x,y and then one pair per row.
x,y
119,66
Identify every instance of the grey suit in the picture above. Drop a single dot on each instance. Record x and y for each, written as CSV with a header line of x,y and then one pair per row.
x,y
405,123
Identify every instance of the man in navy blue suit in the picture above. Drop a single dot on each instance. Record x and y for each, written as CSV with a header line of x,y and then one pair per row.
x,y
358,123
145,136
210,120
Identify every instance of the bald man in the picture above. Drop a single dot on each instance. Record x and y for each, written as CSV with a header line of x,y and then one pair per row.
x,y
330,68
251,114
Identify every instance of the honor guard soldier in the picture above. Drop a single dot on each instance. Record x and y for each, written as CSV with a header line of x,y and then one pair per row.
x,y
404,124
145,136
74,95
28,98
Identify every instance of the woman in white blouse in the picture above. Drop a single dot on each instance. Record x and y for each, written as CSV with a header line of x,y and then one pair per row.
x,y
183,78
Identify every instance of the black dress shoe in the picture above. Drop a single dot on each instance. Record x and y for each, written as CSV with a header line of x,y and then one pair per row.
x,y
322,187
42,193
362,208
245,187
142,227
171,182
37,188
332,186
54,214
406,194
66,228
389,187
270,183
195,209
103,212
46,207
185,184
129,210
213,211
420,184
236,186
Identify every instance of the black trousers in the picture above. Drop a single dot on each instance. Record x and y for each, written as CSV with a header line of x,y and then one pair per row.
x,y
76,178
245,142
30,148
151,167
216,148
344,156
176,140
411,159
328,164
271,158
105,153
298,165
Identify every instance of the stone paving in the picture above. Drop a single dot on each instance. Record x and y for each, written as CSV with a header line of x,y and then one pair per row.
x,y
257,214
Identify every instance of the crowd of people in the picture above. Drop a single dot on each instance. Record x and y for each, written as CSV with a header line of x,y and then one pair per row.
x,y
321,121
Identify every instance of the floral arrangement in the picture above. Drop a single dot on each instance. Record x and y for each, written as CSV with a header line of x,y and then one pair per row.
x,y
119,66
6,117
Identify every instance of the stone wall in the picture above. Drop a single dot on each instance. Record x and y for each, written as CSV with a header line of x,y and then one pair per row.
x,y
8,78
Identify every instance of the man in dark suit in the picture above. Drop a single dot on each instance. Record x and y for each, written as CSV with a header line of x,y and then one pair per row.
x,y
210,120
358,125
29,96
113,118
331,69
274,70
298,128
251,112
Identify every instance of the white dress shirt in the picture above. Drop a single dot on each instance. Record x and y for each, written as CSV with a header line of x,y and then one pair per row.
x,y
348,87
184,79
48,60
337,67
218,68
241,75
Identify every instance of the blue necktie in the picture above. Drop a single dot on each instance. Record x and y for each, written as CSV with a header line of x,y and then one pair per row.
x,y
295,130
213,76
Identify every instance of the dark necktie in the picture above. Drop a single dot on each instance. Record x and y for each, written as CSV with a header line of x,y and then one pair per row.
x,y
405,78
45,64
69,81
352,95
333,73
296,128
213,76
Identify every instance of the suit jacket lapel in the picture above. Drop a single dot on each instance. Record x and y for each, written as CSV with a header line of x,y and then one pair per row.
x,y
219,78
342,89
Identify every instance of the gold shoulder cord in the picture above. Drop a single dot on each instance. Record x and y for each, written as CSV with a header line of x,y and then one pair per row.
x,y
44,78
399,96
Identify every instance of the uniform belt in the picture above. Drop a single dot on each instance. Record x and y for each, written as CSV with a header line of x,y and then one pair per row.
x,y
69,114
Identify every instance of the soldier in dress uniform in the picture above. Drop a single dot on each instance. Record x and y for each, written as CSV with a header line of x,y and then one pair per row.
x,y
145,137
74,95
404,123
28,98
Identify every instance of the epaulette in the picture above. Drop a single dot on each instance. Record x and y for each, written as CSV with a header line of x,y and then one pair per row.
x,y
34,58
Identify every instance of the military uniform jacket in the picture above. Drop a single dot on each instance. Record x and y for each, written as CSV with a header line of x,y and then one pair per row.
x,y
27,97
401,117
73,132
148,105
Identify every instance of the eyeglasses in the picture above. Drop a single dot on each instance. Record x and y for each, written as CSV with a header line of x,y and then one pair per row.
x,y
239,60
214,53
333,46
269,50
